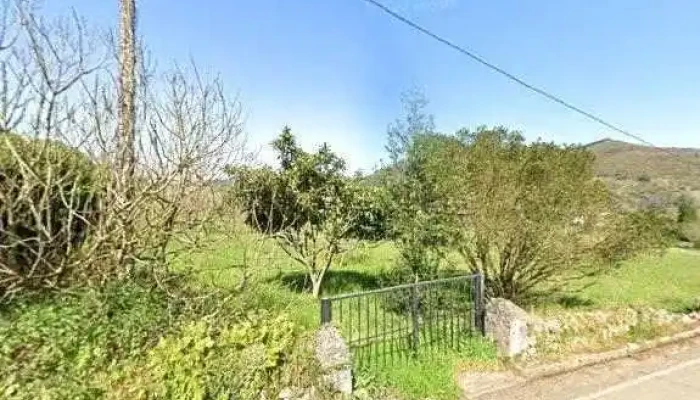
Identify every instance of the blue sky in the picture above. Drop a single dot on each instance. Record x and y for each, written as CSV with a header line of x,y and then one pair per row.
x,y
334,69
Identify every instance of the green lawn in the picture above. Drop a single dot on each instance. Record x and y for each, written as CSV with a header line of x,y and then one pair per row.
x,y
671,281
278,283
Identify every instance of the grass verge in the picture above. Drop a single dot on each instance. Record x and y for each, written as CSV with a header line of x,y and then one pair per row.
x,y
431,375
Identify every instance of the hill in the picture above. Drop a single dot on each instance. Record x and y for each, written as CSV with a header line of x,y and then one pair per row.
x,y
643,175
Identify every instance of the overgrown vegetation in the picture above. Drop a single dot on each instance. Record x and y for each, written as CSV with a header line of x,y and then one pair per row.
x,y
92,225
126,341
58,345
49,197
521,214
688,224
687,210
203,361
130,268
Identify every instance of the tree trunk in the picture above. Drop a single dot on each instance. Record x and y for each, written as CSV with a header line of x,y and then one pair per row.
x,y
316,286
126,155
317,280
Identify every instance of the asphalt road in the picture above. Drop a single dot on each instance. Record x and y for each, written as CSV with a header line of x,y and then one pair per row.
x,y
667,373
681,381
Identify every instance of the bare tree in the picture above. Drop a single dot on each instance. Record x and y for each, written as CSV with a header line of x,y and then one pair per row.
x,y
157,141
192,131
45,211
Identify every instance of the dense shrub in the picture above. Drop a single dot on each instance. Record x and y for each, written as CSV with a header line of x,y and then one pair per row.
x,y
633,233
58,346
48,198
419,220
687,212
690,233
374,211
261,195
528,214
125,341
205,362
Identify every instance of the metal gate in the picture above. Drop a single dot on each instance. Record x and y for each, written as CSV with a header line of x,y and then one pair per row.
x,y
401,321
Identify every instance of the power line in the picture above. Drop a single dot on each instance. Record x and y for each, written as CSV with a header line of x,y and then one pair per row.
x,y
510,76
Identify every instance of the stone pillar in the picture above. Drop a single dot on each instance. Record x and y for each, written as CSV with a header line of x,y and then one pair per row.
x,y
507,325
333,355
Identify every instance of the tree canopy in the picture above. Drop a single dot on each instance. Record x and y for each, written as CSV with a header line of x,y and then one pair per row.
x,y
529,216
310,206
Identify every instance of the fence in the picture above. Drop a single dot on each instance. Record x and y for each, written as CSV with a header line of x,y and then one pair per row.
x,y
400,321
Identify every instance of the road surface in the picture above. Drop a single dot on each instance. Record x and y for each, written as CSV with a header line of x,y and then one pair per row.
x,y
667,373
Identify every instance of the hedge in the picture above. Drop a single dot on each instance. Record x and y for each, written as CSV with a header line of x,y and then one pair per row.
x,y
49,196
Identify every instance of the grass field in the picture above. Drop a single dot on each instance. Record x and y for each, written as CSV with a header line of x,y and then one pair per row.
x,y
277,283
671,281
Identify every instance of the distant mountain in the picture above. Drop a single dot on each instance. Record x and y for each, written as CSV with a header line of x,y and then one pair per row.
x,y
643,175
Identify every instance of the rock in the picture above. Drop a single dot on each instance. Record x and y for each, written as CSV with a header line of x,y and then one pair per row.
x,y
288,393
340,380
331,349
687,319
507,325
333,355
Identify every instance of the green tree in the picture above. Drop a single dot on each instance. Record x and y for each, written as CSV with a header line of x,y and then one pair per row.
x,y
417,223
416,121
528,216
374,211
287,148
308,204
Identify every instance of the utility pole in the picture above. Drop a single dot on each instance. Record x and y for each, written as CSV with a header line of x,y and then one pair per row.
x,y
126,134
